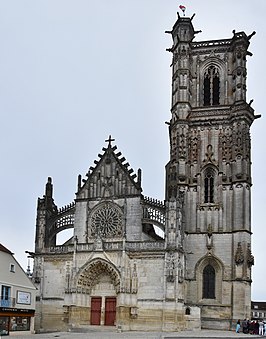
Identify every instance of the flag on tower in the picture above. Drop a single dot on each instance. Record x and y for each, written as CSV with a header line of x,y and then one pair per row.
x,y
183,8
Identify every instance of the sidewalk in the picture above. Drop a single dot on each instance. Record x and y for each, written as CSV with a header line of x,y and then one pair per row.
x,y
98,334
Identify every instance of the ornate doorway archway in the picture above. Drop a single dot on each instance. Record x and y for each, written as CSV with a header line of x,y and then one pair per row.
x,y
101,280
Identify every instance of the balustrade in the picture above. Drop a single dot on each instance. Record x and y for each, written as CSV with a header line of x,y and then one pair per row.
x,y
7,302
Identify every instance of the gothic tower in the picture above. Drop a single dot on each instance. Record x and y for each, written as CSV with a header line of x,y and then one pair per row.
x,y
115,269
210,170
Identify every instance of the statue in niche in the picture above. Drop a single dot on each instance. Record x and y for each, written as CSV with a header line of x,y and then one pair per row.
x,y
98,244
171,237
172,226
127,279
75,243
179,219
180,271
209,237
172,218
123,278
86,235
239,256
134,281
170,269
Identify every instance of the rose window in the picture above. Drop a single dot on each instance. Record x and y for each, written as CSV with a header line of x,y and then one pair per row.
x,y
106,221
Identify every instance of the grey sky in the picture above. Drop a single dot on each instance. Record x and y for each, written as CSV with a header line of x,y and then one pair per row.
x,y
74,71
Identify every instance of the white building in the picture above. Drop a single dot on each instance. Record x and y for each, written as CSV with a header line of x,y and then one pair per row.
x,y
18,295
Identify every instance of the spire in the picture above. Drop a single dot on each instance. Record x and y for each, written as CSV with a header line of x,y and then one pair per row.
x,y
49,188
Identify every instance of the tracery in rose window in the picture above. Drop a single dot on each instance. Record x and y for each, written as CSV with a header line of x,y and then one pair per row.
x,y
106,221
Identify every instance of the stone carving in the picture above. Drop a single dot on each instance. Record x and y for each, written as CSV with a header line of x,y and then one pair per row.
x,y
239,256
180,271
134,280
209,155
194,149
170,268
209,237
238,141
98,244
68,275
90,276
127,279
225,143
106,221
250,257
182,145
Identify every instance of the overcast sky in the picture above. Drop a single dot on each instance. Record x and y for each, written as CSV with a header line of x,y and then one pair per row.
x,y
74,71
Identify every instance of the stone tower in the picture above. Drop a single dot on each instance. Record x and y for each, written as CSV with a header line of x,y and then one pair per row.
x,y
210,169
116,269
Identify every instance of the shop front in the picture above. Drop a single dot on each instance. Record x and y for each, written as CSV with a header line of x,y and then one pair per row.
x,y
15,320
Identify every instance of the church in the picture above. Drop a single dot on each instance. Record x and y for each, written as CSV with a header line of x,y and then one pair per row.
x,y
195,272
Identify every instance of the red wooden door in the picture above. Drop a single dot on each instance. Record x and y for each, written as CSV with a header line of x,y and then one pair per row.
x,y
96,304
110,311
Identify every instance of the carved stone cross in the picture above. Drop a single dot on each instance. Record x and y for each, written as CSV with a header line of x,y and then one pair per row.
x,y
109,140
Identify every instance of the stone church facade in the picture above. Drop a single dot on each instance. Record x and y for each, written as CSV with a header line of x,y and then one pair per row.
x,y
116,270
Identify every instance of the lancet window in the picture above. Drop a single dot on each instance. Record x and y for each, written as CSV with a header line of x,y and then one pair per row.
x,y
208,282
209,185
211,87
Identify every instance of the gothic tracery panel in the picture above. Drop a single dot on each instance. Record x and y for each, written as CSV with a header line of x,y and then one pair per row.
x,y
106,221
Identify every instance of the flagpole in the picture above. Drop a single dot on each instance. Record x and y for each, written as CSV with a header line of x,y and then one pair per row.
x,y
183,9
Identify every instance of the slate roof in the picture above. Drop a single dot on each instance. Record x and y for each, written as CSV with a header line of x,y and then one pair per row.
x,y
4,249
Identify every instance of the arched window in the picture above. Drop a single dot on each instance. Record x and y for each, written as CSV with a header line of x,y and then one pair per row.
x,y
208,282
209,185
187,311
211,87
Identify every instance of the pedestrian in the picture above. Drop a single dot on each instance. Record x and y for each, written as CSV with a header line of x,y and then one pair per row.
x,y
238,326
256,327
248,326
252,327
261,327
244,326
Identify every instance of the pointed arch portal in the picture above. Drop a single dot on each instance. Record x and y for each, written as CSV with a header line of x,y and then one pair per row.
x,y
94,279
90,275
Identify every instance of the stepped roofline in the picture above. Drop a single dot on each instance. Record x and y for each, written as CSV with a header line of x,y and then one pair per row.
x,y
108,152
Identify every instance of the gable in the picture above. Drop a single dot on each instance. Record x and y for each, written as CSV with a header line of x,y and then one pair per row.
x,y
111,177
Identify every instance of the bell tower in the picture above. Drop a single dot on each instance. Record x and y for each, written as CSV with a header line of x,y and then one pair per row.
x,y
210,166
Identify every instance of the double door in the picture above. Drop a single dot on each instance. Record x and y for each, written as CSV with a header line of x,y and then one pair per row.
x,y
103,311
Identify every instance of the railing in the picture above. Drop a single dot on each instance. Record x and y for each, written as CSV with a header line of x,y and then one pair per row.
x,y
145,246
211,43
65,216
67,208
63,219
153,211
113,246
9,302
110,246
61,249
222,110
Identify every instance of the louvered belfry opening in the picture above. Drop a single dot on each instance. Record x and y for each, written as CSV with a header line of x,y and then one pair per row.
x,y
211,87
